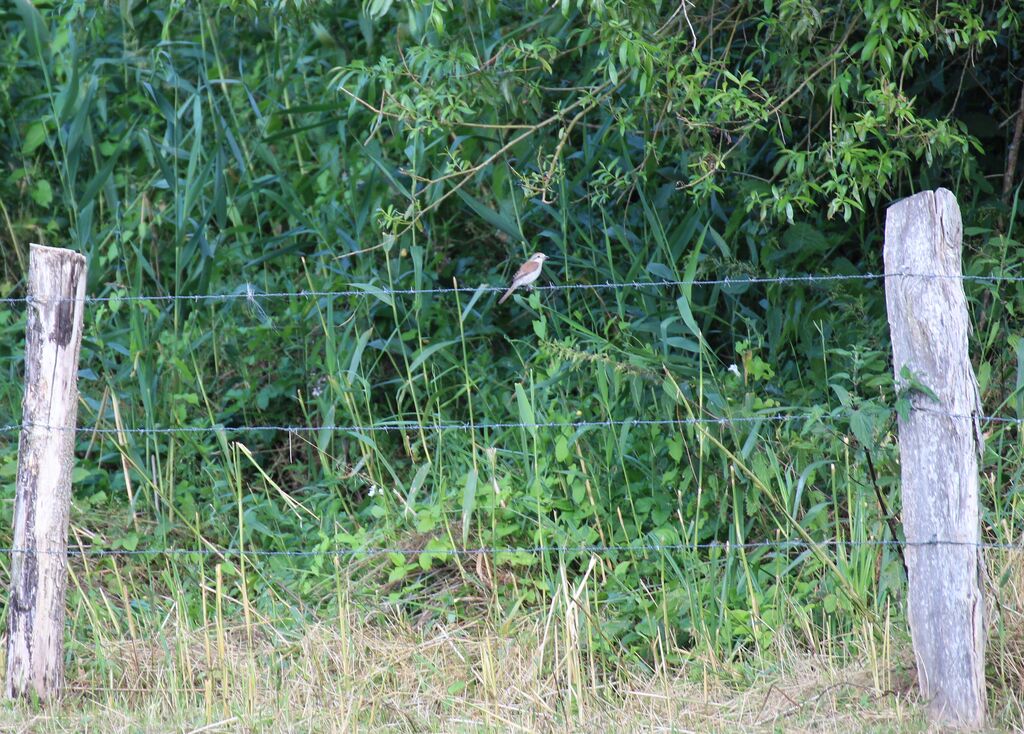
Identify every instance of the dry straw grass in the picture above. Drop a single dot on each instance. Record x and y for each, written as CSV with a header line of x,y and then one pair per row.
x,y
378,670
391,676
369,672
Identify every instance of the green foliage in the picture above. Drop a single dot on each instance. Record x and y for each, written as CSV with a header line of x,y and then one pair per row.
x,y
409,145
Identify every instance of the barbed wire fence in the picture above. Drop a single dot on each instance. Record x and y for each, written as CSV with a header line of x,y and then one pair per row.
x,y
788,549
250,294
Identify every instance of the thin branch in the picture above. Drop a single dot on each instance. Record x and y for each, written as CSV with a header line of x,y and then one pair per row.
x,y
468,173
1014,149
883,506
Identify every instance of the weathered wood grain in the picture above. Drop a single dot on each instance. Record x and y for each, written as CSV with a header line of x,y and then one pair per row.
x,y
939,448
53,336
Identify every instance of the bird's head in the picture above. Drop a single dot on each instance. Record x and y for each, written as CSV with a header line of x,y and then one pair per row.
x,y
538,257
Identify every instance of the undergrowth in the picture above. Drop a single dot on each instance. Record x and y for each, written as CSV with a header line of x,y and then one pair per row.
x,y
386,153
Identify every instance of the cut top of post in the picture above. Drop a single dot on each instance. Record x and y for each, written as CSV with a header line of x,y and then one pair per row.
x,y
924,237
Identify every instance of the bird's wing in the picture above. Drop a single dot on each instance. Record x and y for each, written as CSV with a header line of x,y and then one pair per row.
x,y
528,267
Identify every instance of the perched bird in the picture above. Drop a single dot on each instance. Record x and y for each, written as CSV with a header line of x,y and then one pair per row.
x,y
528,273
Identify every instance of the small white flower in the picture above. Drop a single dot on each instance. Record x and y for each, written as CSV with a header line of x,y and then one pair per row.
x,y
735,370
375,490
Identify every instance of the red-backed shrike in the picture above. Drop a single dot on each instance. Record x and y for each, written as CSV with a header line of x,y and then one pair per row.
x,y
526,274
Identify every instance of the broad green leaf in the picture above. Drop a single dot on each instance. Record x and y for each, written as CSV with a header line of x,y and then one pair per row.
x,y
68,95
34,137
42,192
863,428
525,410
379,293
684,311
675,448
843,395
417,483
540,326
357,354
398,573
425,353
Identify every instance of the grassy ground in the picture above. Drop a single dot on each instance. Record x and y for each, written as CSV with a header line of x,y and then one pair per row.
x,y
361,667
380,672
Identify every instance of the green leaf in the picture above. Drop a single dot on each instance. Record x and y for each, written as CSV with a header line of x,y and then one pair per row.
x,y
437,549
425,353
379,293
37,35
984,376
863,428
561,449
912,383
493,218
417,482
426,560
540,327
97,181
325,435
42,192
804,240
468,503
830,603
525,410
843,394
684,310
1018,390
357,355
480,291
397,574
34,137
624,437
68,95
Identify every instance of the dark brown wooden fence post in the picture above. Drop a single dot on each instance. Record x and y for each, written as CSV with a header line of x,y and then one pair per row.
x,y
940,443
53,336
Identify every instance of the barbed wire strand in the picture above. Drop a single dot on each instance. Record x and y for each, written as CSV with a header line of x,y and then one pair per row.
x,y
248,292
529,550
414,426
484,426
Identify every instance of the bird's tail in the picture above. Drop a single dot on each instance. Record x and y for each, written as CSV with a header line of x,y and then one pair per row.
x,y
507,294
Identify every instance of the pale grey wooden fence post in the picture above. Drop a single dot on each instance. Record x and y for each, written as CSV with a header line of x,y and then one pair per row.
x,y
53,336
940,443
